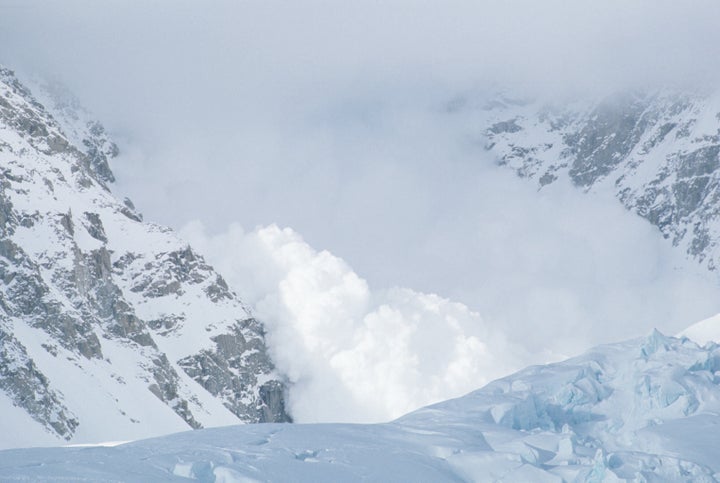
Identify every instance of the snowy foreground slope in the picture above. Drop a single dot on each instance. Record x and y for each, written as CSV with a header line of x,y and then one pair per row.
x,y
643,410
109,327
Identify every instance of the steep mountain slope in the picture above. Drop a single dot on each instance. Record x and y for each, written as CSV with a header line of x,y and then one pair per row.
x,y
658,152
642,410
109,327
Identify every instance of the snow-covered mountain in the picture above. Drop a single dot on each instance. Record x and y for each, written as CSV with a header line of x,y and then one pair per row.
x,y
659,153
110,327
643,410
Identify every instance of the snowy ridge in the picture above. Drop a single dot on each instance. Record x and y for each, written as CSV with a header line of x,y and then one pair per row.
x,y
110,328
659,153
642,410
705,331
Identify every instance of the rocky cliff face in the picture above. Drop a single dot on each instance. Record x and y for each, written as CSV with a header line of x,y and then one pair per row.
x,y
109,327
659,153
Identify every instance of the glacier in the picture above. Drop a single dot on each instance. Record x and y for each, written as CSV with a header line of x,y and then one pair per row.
x,y
641,410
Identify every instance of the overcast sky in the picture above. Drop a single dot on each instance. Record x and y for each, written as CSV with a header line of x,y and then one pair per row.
x,y
330,118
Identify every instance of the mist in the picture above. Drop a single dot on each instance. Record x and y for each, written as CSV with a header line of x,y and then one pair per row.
x,y
300,141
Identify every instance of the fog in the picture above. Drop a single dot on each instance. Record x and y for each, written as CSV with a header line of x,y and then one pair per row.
x,y
308,150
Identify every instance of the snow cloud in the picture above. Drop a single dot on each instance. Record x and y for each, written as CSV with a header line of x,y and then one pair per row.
x,y
353,354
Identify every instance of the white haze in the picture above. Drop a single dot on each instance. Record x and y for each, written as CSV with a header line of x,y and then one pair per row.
x,y
331,117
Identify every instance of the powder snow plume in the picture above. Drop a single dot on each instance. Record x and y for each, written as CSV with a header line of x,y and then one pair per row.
x,y
351,353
